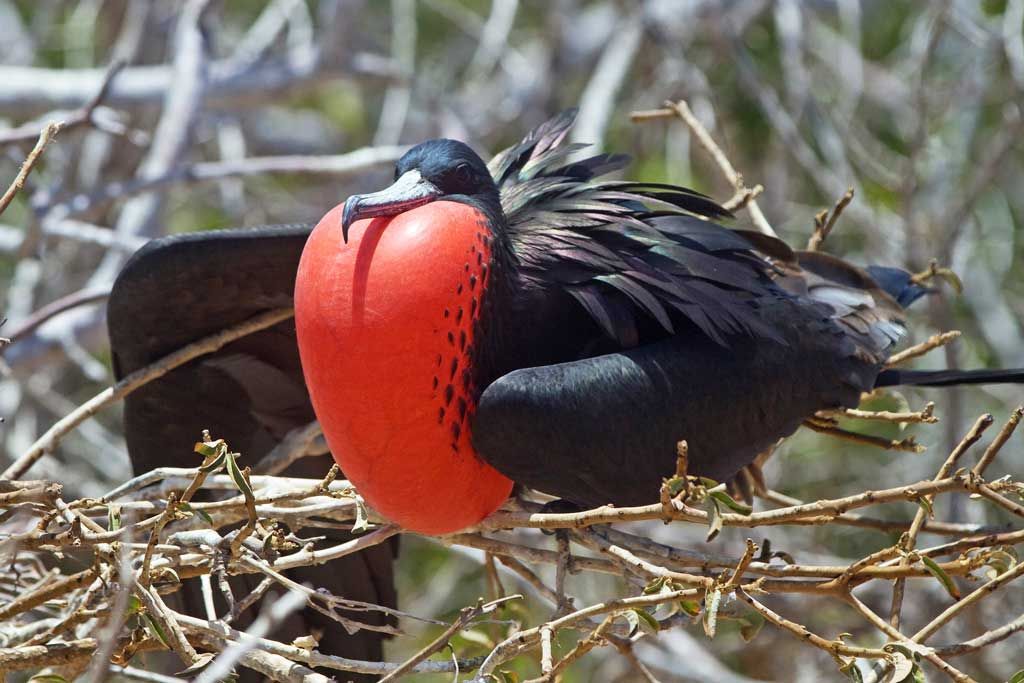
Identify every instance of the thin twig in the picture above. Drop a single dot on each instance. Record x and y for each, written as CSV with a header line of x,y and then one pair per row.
x,y
45,138
682,111
49,440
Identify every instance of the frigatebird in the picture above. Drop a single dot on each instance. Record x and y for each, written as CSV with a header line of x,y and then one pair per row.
x,y
525,321
532,321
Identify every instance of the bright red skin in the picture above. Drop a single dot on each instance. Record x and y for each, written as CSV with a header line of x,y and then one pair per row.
x,y
380,337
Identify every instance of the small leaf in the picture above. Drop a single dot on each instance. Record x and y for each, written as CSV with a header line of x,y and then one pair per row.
x,y
902,667
202,513
939,573
506,676
237,477
926,505
477,637
113,517
362,522
655,585
213,453
714,518
676,485
750,625
198,665
305,642
731,503
632,620
999,560
165,576
158,632
214,464
208,448
851,671
48,678
711,602
1017,677
134,605
691,607
719,493
648,624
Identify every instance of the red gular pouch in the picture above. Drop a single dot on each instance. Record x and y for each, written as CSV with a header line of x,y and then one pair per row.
x,y
385,334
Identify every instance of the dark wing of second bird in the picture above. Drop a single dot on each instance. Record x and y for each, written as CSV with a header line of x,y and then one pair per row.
x,y
725,338
182,288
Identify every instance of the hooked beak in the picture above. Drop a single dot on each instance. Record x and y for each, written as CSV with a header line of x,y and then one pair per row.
x,y
408,192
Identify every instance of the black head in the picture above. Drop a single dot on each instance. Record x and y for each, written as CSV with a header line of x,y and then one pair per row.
x,y
436,169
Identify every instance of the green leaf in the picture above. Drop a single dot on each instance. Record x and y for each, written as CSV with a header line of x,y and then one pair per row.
x,y
711,602
213,453
691,607
113,517
676,485
237,477
750,625
208,448
134,605
926,505
655,585
1017,677
1000,560
939,573
850,670
156,630
48,678
477,637
214,464
714,518
202,513
648,624
731,503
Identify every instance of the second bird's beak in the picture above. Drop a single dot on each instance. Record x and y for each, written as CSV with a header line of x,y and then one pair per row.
x,y
408,192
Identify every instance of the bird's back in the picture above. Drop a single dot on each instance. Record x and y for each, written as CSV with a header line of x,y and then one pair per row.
x,y
642,322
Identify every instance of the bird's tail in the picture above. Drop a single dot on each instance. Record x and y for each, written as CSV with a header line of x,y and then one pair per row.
x,y
899,284
946,378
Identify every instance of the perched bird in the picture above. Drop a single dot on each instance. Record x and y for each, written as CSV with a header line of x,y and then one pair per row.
x,y
530,321
525,321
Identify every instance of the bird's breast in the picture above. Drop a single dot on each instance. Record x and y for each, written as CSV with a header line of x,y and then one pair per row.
x,y
386,329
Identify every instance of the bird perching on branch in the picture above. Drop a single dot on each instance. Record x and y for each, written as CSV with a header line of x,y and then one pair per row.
x,y
525,321
531,321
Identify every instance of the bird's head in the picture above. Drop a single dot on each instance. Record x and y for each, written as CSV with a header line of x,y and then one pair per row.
x,y
432,170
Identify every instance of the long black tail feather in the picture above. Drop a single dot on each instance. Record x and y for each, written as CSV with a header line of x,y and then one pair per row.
x,y
946,378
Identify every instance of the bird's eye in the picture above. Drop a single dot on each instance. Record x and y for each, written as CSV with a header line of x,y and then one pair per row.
x,y
463,173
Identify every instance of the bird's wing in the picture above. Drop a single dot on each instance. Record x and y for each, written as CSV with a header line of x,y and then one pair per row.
x,y
625,250
628,251
181,288
781,334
